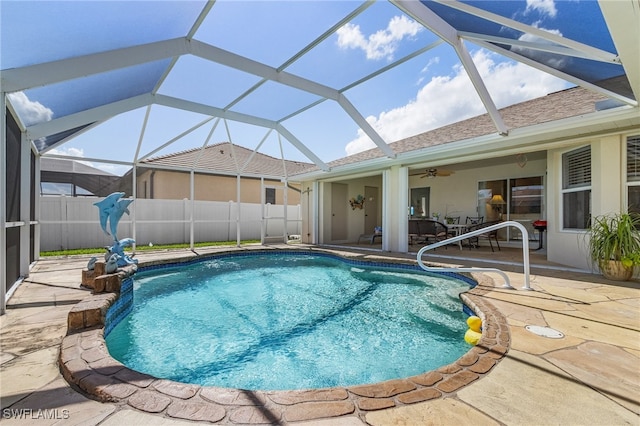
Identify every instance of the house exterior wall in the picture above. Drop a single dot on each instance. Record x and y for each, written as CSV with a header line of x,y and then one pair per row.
x,y
456,195
608,186
170,185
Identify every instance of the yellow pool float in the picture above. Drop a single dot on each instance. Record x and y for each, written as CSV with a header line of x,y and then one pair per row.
x,y
474,333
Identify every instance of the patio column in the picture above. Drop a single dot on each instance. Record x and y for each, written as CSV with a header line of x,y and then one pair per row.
x,y
36,219
395,189
25,204
3,202
606,173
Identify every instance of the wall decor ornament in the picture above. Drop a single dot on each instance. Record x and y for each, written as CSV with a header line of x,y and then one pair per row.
x,y
357,202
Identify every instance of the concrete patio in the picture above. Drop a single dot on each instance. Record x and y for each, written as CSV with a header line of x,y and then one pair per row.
x,y
589,376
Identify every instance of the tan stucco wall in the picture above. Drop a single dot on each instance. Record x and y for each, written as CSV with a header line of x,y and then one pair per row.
x,y
170,185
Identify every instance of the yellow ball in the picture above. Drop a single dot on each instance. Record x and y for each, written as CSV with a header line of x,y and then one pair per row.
x,y
474,323
472,337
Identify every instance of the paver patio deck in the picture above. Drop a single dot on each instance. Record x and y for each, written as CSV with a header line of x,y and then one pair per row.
x,y
590,376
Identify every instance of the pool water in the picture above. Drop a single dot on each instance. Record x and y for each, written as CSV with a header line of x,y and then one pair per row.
x,y
275,322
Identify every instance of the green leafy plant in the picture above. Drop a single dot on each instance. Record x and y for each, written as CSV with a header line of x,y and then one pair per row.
x,y
615,237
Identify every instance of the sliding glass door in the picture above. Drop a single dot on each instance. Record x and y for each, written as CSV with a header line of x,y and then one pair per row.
x,y
518,199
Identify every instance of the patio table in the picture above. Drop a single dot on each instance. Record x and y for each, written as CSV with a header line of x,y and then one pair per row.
x,y
458,229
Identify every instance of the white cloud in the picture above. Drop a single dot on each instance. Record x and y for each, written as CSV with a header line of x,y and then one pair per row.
x,y
448,99
545,7
70,151
30,112
381,44
552,60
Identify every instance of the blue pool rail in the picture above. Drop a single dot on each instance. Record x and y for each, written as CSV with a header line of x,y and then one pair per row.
x,y
507,281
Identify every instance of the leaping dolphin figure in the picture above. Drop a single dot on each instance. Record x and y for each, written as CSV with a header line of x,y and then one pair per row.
x,y
116,213
112,208
105,206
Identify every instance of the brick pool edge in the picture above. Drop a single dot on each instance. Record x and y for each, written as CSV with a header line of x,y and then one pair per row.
x,y
85,363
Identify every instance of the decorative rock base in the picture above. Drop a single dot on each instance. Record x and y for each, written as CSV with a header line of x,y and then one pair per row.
x,y
91,312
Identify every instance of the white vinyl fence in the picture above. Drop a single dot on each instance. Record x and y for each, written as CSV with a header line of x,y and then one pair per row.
x,y
69,223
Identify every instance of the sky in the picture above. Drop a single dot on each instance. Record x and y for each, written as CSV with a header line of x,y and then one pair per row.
x,y
424,93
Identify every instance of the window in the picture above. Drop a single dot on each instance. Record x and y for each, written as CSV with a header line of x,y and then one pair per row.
x,y
633,174
270,195
419,202
576,188
526,197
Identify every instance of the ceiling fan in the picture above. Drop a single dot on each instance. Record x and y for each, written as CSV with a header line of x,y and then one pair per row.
x,y
431,173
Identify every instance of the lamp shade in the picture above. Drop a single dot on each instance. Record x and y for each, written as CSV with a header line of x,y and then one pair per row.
x,y
497,200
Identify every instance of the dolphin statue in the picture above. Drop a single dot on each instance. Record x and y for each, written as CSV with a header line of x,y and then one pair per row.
x,y
92,263
106,206
115,214
112,264
126,242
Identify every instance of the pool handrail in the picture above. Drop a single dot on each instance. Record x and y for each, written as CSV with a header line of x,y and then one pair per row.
x,y
507,283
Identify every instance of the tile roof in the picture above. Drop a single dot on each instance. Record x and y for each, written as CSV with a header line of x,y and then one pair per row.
x,y
227,158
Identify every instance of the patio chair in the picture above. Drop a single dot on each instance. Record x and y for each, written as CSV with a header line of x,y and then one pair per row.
x,y
414,231
377,233
475,240
474,220
432,230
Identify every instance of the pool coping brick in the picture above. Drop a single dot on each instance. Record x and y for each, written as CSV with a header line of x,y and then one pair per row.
x,y
85,362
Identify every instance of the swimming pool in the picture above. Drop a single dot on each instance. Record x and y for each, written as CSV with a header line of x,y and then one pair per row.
x,y
289,321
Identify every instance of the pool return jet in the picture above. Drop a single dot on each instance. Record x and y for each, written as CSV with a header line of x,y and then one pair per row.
x,y
507,281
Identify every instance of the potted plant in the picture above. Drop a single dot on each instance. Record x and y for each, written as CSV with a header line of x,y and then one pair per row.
x,y
614,244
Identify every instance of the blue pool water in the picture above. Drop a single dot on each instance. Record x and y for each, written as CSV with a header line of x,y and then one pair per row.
x,y
293,321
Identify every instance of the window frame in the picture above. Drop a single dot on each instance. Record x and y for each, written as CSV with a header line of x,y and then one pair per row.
x,y
629,183
574,188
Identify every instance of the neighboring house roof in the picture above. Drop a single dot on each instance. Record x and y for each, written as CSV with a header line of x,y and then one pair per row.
x,y
60,165
555,106
96,181
229,159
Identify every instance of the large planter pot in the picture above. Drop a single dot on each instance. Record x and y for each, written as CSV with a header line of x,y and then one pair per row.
x,y
615,270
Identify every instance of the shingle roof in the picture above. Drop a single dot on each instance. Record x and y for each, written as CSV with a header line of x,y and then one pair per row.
x,y
227,159
555,106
